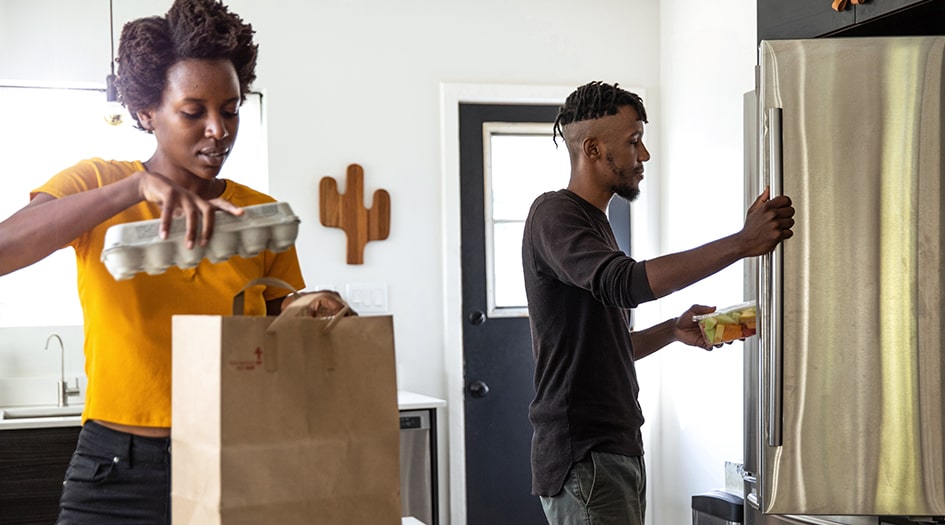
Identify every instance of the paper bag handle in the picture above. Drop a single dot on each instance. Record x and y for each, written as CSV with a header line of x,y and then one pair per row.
x,y
240,297
297,309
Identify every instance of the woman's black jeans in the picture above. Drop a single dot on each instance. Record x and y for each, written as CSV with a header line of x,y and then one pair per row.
x,y
115,477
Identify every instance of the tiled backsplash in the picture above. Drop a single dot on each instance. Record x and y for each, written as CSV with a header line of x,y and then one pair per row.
x,y
29,372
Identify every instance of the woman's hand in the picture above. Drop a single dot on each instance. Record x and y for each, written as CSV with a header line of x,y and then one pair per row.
x,y
325,303
175,200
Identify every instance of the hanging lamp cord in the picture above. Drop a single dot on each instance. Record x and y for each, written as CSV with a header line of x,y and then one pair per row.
x,y
111,33
111,92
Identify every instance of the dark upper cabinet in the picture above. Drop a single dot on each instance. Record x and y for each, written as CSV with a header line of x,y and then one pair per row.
x,y
898,18
870,10
779,19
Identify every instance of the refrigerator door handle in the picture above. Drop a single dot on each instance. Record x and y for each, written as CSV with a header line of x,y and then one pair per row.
x,y
772,289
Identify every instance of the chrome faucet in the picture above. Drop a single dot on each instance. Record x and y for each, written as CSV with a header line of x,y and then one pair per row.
x,y
64,390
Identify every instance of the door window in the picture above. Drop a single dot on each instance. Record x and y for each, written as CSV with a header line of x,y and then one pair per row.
x,y
520,162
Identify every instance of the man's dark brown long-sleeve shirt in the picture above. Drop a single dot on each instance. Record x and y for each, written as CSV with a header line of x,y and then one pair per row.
x,y
579,287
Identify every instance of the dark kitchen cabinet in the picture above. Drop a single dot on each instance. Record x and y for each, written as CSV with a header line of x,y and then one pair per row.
x,y
33,464
898,18
871,10
778,20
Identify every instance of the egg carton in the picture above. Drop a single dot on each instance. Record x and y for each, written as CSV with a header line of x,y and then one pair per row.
x,y
136,247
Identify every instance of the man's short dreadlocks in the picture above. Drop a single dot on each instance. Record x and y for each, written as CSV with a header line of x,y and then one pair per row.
x,y
595,100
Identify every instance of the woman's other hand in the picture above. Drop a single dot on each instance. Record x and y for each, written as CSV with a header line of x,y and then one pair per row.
x,y
324,303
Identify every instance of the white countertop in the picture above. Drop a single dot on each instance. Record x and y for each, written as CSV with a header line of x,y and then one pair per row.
x,y
405,401
412,401
40,422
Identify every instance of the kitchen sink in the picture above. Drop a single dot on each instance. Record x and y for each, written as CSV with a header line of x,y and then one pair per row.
x,y
40,412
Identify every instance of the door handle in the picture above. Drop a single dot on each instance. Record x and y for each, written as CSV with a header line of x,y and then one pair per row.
x,y
478,388
771,264
477,318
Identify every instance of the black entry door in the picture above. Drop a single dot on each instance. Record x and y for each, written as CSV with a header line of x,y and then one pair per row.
x,y
497,354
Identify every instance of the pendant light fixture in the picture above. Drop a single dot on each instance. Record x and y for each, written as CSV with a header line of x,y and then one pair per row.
x,y
114,112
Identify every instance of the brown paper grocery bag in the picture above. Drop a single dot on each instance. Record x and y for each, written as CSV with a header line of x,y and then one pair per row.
x,y
284,420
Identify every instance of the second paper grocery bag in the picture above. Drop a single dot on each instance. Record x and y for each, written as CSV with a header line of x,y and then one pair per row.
x,y
285,420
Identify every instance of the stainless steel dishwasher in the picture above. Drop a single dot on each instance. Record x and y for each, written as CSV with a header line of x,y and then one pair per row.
x,y
418,482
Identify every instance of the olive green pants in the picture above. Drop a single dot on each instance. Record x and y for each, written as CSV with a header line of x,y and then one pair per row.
x,y
601,489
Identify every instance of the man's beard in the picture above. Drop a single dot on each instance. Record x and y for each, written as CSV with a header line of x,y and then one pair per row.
x,y
623,187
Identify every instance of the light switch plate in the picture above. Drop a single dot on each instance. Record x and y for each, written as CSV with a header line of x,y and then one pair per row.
x,y
367,298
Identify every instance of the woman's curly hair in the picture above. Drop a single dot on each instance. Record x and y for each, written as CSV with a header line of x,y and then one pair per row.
x,y
593,101
203,29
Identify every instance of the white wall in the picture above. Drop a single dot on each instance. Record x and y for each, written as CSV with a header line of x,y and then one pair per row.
x,y
707,56
359,81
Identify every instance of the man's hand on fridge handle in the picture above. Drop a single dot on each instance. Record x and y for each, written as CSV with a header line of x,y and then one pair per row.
x,y
769,221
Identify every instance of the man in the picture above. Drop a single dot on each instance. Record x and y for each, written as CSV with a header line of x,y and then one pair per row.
x,y
587,448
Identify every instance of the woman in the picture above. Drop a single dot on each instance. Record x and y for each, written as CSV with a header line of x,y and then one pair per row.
x,y
182,77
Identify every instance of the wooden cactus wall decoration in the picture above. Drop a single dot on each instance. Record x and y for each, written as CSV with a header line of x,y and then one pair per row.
x,y
347,211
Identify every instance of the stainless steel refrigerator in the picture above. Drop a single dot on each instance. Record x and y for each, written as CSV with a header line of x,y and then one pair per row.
x,y
845,384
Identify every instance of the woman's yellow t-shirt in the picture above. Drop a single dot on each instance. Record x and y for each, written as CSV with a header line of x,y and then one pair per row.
x,y
128,323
